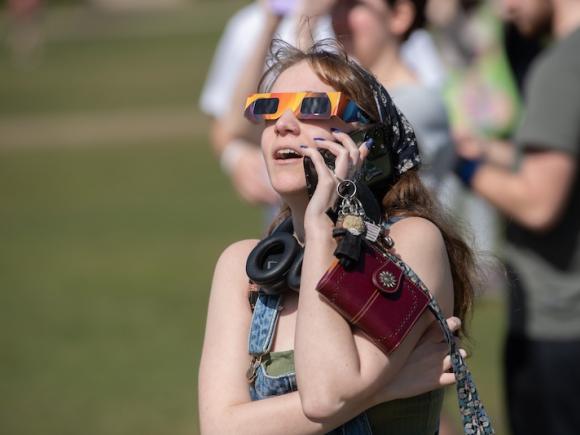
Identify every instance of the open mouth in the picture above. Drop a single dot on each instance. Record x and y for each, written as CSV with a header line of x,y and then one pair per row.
x,y
286,154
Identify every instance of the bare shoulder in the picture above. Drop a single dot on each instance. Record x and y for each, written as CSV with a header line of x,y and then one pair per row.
x,y
416,233
420,244
237,252
230,269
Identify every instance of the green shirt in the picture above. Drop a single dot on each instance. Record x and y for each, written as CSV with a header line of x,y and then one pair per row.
x,y
417,415
547,264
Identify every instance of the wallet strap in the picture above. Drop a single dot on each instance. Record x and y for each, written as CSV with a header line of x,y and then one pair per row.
x,y
473,413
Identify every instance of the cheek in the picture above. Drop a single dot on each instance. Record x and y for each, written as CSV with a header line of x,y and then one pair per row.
x,y
366,28
267,136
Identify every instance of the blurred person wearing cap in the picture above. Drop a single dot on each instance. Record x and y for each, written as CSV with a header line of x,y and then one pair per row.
x,y
534,182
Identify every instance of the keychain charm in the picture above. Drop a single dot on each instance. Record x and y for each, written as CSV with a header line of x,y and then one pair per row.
x,y
351,215
350,226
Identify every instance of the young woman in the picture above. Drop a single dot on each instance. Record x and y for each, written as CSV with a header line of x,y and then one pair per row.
x,y
318,373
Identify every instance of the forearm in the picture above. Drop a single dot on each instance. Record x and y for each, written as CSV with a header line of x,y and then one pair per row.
x,y
500,153
249,78
511,194
323,334
305,26
284,416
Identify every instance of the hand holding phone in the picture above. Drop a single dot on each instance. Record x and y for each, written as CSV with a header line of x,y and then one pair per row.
x,y
377,171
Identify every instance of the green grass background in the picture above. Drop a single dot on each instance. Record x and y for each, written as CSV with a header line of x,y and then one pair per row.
x,y
107,250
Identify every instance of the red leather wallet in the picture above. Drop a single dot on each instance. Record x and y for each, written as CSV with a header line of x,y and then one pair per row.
x,y
377,296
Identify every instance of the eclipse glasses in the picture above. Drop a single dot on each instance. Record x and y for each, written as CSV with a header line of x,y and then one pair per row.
x,y
305,105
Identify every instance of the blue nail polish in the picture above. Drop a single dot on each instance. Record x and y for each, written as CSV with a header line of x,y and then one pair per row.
x,y
319,138
335,130
369,143
303,146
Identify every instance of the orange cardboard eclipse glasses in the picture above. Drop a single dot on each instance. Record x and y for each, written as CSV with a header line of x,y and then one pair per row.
x,y
305,105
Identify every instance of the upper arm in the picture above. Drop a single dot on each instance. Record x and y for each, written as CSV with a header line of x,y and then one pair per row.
x,y
225,357
420,244
220,137
548,177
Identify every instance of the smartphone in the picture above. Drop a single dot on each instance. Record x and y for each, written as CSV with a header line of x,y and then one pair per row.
x,y
378,165
378,171
282,7
310,170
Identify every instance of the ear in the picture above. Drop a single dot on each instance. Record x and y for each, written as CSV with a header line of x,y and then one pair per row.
x,y
402,17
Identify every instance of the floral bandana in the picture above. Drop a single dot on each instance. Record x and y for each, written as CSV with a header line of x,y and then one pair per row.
x,y
396,127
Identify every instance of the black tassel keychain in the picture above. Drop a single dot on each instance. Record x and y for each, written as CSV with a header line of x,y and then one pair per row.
x,y
350,225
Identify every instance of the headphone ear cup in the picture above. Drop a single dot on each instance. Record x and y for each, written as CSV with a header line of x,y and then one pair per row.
x,y
269,262
295,272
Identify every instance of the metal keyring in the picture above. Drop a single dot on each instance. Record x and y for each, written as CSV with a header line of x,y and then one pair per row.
x,y
344,184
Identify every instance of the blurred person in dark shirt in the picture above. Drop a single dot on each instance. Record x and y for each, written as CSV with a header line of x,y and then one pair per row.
x,y
534,182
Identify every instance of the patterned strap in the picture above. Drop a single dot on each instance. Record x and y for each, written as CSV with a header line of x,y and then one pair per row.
x,y
475,418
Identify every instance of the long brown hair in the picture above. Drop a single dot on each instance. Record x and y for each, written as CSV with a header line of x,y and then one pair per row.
x,y
408,196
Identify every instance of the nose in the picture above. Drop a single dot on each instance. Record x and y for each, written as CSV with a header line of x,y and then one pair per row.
x,y
287,124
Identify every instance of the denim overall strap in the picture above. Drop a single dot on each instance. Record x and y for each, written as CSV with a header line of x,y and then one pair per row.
x,y
263,325
392,220
262,330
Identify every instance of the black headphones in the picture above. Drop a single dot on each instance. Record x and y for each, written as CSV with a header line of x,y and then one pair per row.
x,y
275,264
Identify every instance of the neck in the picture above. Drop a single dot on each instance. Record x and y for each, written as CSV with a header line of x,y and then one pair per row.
x,y
298,204
566,19
390,69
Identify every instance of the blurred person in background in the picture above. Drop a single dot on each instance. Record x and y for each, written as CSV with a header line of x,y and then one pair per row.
x,y
534,182
482,99
374,32
340,371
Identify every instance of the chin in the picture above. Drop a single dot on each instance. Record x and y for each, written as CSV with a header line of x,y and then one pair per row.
x,y
289,184
362,52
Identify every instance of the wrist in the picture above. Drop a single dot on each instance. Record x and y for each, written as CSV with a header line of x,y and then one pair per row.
x,y
318,229
466,169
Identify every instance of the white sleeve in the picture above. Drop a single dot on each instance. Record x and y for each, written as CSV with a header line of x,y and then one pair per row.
x,y
420,53
232,52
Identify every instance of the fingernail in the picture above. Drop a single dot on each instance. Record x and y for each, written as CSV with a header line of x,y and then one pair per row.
x,y
303,146
369,143
335,130
319,138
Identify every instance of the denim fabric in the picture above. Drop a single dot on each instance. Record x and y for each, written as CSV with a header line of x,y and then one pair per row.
x,y
263,327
